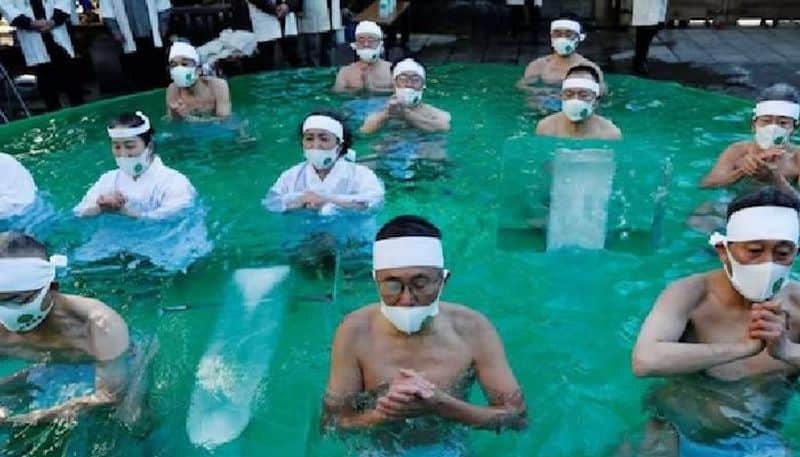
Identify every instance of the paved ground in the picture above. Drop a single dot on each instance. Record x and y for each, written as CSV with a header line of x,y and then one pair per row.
x,y
737,60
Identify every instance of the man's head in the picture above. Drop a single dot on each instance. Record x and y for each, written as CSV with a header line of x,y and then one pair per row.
x,y
579,92
369,41
408,264
760,244
132,142
184,64
409,81
26,281
776,115
565,34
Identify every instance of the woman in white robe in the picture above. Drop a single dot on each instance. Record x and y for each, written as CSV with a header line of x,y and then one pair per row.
x,y
142,186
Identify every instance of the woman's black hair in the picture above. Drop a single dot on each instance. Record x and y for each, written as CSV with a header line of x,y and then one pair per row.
x,y
133,120
347,141
408,225
766,196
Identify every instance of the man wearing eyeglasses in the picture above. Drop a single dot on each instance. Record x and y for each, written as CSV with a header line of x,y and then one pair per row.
x,y
580,92
406,104
409,362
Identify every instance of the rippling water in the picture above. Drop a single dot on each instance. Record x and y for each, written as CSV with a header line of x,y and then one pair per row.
x,y
568,318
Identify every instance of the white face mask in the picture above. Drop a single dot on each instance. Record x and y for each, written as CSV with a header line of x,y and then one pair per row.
x,y
771,135
577,110
758,282
564,46
409,319
18,317
183,76
408,96
321,159
369,55
135,166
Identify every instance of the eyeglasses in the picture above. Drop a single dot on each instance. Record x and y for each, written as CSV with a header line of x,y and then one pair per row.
x,y
409,79
422,288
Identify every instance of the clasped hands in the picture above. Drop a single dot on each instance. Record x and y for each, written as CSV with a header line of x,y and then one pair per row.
x,y
409,395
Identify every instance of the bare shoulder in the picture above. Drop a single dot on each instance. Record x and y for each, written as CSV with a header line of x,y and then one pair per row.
x,y
690,290
547,125
610,130
107,330
585,61
172,91
356,323
217,84
792,292
466,321
737,149
534,67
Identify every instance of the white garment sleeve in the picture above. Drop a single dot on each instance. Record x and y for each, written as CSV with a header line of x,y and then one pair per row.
x,y
17,189
281,195
107,9
368,188
8,11
178,194
103,186
163,5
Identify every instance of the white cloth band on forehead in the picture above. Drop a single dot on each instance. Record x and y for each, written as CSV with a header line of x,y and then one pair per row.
x,y
408,66
130,132
565,24
407,251
325,123
185,50
369,28
20,274
581,83
760,223
778,108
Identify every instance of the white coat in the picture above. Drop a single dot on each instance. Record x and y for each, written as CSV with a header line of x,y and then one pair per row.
x,y
649,12
346,180
31,42
159,193
267,27
17,189
115,9
317,18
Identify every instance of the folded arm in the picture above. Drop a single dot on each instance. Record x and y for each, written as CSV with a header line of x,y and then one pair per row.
x,y
659,350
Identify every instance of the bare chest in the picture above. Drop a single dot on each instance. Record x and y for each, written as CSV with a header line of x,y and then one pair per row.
x,y
443,361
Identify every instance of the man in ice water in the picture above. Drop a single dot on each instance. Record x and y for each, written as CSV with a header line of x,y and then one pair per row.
x,y
411,359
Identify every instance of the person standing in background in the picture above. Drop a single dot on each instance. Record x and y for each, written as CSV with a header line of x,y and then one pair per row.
x,y
321,19
648,18
140,26
43,36
275,22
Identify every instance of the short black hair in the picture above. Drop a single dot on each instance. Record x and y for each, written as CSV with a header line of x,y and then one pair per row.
x,y
766,196
16,244
133,120
408,225
780,91
347,141
585,69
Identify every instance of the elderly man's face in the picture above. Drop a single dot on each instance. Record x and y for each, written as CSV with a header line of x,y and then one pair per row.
x,y
781,121
365,41
409,80
760,251
411,286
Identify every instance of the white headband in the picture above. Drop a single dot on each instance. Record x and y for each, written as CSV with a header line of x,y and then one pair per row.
x,y
130,132
408,66
20,274
407,251
327,123
185,50
760,223
369,28
581,83
778,108
565,24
